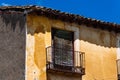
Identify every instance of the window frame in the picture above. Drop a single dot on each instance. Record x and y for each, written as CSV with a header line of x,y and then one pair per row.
x,y
53,45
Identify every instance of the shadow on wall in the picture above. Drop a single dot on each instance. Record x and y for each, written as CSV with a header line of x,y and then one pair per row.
x,y
98,37
55,76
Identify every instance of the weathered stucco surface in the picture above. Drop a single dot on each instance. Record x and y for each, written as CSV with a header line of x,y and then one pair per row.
x,y
36,54
99,47
12,46
100,52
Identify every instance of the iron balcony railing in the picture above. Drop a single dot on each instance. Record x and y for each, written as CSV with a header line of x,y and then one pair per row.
x,y
118,68
65,60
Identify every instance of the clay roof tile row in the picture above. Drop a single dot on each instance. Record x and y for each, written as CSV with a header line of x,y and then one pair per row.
x,y
56,14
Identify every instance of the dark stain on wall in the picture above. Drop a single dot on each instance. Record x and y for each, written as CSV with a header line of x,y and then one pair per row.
x,y
14,19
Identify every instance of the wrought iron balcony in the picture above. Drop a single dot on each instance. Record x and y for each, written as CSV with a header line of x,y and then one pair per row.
x,y
65,60
118,68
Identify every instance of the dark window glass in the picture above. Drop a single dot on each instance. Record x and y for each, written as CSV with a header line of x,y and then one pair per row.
x,y
62,43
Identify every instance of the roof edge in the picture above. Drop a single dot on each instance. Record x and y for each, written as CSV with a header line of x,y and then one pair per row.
x,y
68,17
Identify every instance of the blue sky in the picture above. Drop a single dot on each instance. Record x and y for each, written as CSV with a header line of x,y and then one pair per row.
x,y
105,10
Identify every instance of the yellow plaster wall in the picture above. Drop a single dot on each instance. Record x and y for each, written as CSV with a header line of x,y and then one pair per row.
x,y
99,47
100,54
37,28
100,51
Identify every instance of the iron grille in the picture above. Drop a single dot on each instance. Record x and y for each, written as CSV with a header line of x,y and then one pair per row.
x,y
63,60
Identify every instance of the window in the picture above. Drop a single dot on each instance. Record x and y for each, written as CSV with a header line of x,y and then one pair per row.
x,y
63,54
62,46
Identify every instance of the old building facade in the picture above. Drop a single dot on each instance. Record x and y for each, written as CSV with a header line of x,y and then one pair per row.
x,y
48,44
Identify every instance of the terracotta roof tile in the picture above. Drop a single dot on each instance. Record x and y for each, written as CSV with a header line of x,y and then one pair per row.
x,y
56,14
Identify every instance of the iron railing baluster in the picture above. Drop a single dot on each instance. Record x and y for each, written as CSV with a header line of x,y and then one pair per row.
x,y
63,61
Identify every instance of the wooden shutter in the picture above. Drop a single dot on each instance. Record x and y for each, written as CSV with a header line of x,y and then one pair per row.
x,y
63,47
